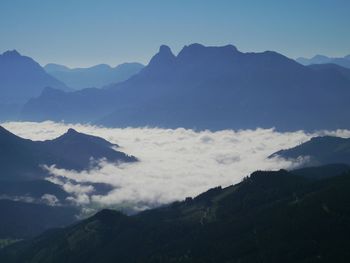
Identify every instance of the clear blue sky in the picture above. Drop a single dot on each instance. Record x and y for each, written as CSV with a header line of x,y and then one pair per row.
x,y
87,32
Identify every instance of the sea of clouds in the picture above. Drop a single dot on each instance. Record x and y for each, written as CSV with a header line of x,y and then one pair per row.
x,y
174,163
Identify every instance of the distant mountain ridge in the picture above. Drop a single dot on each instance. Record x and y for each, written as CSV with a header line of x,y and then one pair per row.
x,y
96,76
320,59
21,78
209,88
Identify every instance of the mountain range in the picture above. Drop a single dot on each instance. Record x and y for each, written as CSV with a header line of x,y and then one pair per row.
x,y
97,76
209,88
320,59
21,78
268,217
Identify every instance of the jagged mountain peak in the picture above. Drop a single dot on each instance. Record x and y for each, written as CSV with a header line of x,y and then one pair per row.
x,y
164,57
164,49
71,131
73,135
11,53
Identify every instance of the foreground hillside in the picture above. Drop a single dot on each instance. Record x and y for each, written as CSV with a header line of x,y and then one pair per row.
x,y
269,217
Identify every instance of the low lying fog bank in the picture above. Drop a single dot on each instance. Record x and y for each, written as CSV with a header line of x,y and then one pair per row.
x,y
174,164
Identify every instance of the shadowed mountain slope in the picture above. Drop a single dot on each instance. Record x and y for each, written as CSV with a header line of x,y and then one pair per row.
x,y
22,159
319,151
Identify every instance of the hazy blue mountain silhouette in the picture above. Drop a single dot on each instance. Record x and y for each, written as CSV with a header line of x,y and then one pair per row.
x,y
273,216
319,151
21,78
209,88
96,76
21,159
320,59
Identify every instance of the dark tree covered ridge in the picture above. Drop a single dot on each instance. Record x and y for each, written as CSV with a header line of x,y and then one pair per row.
x,y
268,217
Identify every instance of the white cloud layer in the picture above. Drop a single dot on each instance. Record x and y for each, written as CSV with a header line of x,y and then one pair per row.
x,y
174,164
